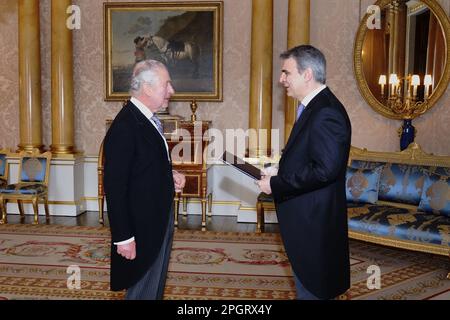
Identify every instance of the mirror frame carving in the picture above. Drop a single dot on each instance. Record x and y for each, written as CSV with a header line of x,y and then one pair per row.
x,y
363,87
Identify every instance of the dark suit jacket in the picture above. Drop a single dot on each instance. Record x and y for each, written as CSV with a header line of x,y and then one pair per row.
x,y
309,194
139,192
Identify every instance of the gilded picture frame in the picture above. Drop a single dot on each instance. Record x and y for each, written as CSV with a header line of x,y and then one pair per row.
x,y
186,36
367,93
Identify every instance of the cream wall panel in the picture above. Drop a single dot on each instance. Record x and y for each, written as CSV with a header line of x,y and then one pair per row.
x,y
91,111
333,27
334,24
90,183
9,74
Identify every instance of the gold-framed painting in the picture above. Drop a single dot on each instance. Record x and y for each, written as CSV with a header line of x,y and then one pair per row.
x,y
186,36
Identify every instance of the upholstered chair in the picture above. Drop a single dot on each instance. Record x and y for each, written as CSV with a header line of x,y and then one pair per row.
x,y
3,168
34,170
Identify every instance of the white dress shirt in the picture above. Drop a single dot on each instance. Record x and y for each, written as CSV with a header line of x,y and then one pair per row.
x,y
148,114
312,94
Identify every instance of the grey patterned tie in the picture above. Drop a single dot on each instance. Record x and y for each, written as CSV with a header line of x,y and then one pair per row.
x,y
158,123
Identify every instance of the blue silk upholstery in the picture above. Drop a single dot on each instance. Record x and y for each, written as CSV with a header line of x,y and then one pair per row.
x,y
401,223
436,194
362,184
3,181
34,170
2,164
444,171
399,183
361,164
429,223
20,188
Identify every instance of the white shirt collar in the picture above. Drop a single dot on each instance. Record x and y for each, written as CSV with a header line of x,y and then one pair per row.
x,y
148,114
142,108
312,94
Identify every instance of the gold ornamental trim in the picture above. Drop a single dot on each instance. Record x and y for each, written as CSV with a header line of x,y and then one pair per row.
x,y
413,155
363,87
402,244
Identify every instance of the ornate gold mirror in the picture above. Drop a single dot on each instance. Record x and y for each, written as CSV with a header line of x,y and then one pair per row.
x,y
402,60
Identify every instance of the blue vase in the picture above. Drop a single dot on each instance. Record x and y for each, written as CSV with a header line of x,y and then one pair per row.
x,y
408,132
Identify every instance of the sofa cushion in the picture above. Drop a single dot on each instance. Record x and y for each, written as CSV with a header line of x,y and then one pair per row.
x,y
399,183
436,194
24,188
362,184
401,223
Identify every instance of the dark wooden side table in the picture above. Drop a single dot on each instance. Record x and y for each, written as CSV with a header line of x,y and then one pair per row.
x,y
187,144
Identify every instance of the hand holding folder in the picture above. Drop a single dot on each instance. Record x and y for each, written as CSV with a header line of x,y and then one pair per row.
x,y
239,164
269,171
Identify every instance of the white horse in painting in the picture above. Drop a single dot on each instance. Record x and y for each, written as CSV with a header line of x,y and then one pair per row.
x,y
171,51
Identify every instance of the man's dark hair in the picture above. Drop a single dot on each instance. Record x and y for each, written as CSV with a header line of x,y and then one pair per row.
x,y
307,56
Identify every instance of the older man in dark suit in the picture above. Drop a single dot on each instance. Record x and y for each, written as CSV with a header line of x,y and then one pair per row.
x,y
309,187
140,185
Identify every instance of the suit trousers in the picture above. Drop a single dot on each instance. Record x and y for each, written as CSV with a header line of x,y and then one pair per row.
x,y
302,292
151,285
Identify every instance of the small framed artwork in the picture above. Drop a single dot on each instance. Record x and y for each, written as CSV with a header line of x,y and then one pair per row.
x,y
185,36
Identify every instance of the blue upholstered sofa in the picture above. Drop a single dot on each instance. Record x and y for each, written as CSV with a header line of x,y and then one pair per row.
x,y
399,199
408,207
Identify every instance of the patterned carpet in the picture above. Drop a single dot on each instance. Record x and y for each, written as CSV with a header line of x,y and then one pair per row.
x,y
204,265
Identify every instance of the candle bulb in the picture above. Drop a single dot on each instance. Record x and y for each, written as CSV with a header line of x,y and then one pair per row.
x,y
382,82
415,81
427,81
393,80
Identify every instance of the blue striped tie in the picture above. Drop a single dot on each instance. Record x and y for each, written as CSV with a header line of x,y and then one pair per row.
x,y
158,123
300,109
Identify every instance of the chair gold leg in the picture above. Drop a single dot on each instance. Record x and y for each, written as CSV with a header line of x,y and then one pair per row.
x,y
21,211
47,212
36,210
210,204
259,217
184,205
100,210
4,219
203,214
448,274
176,208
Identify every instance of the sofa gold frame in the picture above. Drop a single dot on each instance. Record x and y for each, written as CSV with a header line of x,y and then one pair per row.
x,y
412,155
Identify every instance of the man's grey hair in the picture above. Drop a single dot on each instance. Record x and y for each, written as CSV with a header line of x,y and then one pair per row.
x,y
144,71
308,57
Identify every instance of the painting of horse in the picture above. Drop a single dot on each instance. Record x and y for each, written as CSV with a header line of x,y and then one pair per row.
x,y
170,52
185,36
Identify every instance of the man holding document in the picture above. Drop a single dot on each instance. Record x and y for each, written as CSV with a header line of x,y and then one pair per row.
x,y
309,187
